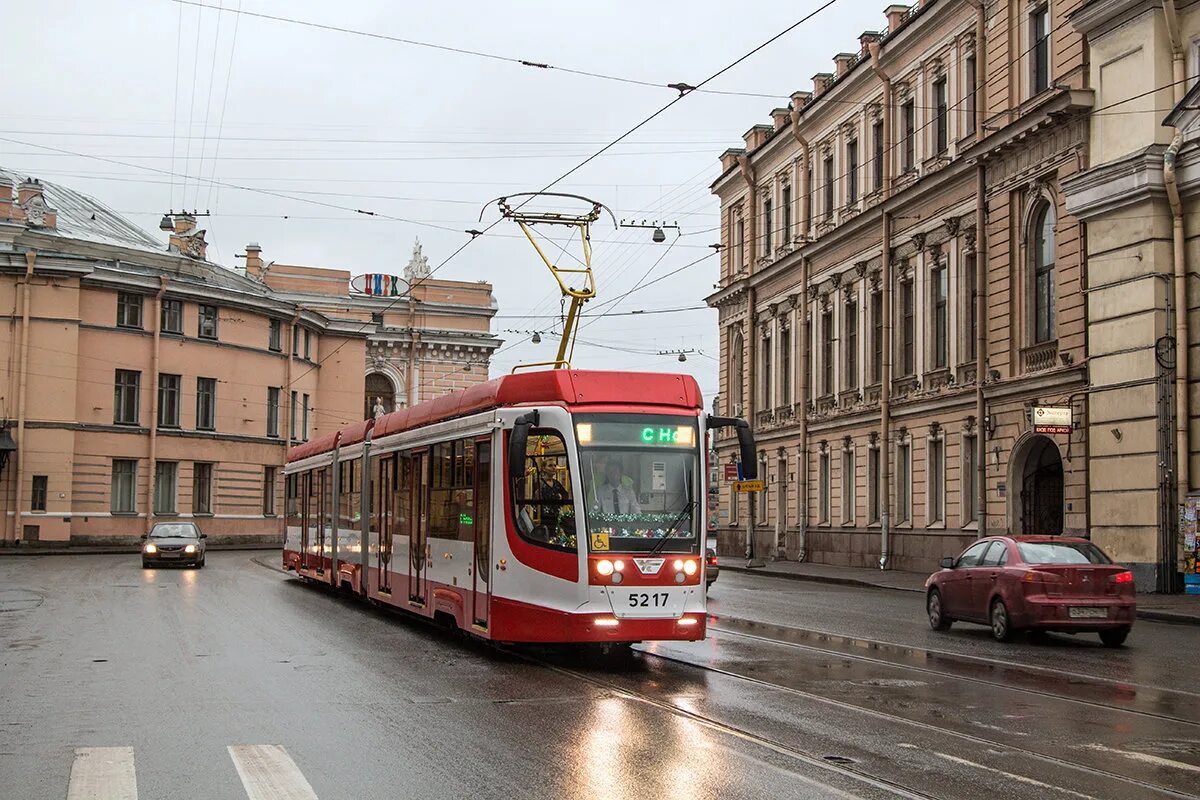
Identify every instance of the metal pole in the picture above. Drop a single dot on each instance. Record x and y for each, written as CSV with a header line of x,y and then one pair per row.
x,y
22,386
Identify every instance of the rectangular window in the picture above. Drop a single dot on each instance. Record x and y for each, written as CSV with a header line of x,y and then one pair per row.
x,y
972,88
308,344
304,430
942,122
904,482
206,404
126,397
830,182
971,294
938,281
739,245
166,475
202,478
785,229
907,330
851,345
873,485
124,486
268,497
129,310
763,496
970,480
852,171
1040,52
825,502
877,154
848,480
785,368
764,397
827,342
808,218
292,415
908,114
275,335
208,322
936,513
37,495
168,400
876,337
295,340
452,495
172,316
273,411
767,232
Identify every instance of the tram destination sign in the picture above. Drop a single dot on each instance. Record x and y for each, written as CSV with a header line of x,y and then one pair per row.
x,y
650,433
1052,419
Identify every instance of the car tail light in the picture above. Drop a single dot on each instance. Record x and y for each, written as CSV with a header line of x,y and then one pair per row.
x,y
1123,577
1048,582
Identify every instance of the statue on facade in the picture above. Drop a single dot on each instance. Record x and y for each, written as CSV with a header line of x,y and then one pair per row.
x,y
418,265
377,410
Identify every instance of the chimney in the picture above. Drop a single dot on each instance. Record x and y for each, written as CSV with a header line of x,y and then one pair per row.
x,y
187,240
781,117
729,158
33,208
843,62
895,17
800,100
6,199
821,82
865,39
756,136
254,263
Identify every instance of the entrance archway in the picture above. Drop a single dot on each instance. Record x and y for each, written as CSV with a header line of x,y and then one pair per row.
x,y
1037,488
379,388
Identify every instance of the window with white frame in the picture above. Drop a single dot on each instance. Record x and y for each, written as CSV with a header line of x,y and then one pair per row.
x,y
124,486
908,127
827,342
1042,256
1039,48
166,478
939,313
970,479
848,485
873,477
970,88
907,338
764,392
852,171
970,295
763,496
823,499
941,122
785,367
768,214
785,226
935,481
830,184
850,345
739,245
904,481
736,376
202,483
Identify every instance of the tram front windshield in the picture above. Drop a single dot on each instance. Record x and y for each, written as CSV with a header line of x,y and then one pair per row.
x,y
640,481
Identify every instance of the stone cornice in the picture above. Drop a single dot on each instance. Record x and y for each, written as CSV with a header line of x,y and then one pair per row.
x,y
1099,16
1117,184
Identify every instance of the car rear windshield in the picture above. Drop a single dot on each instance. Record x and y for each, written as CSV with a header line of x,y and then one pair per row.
x,y
182,531
1061,553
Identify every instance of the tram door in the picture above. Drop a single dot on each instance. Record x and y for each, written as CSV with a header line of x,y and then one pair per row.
x,y
306,518
384,499
323,512
418,542
482,571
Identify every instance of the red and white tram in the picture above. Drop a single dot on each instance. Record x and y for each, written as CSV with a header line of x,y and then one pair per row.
x,y
560,506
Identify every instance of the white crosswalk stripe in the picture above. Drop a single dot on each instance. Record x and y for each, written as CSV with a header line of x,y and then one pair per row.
x,y
268,773
103,773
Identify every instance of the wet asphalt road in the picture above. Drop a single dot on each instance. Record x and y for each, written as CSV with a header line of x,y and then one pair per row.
x,y
802,690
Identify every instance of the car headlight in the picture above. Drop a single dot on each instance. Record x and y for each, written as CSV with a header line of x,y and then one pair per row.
x,y
150,548
191,548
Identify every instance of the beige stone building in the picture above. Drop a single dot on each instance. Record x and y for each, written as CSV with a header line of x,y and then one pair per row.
x,y
143,382
902,283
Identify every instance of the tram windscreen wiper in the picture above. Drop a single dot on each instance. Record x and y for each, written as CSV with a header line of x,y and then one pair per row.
x,y
661,543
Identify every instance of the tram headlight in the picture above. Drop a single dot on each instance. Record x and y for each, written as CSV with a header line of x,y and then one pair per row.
x,y
604,567
679,565
689,567
150,548
619,565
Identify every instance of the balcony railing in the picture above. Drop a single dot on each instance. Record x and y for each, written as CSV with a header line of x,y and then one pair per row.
x,y
1040,357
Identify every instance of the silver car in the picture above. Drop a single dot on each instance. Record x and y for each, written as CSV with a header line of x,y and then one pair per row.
x,y
173,543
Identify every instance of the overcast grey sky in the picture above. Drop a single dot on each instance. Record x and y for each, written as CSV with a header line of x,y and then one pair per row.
x,y
425,135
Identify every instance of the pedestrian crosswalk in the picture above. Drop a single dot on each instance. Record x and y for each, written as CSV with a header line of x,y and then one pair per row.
x,y
267,772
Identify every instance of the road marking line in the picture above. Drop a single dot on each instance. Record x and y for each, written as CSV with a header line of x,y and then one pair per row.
x,y
1023,779
1146,758
102,773
268,773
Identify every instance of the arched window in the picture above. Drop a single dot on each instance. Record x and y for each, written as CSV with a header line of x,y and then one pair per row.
x,y
379,389
736,374
1041,248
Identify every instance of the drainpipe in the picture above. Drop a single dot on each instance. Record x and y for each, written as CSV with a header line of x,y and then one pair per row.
x,y
885,376
747,171
157,322
980,347
1182,370
22,387
805,389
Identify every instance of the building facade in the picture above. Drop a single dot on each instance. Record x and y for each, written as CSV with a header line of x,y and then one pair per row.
x,y
902,284
143,382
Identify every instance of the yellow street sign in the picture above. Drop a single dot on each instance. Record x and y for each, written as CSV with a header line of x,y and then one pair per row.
x,y
747,486
599,541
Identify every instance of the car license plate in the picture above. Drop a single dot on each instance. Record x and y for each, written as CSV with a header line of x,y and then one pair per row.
x,y
1088,612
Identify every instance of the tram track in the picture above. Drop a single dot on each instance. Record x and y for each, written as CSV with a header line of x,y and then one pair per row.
x,y
936,730
1074,679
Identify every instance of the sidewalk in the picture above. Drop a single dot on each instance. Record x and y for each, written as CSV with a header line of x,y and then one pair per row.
x,y
1182,609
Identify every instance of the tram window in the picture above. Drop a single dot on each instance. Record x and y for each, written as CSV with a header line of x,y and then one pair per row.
x,y
452,493
349,488
544,506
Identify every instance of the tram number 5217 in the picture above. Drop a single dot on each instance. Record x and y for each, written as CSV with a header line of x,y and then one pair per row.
x,y
647,599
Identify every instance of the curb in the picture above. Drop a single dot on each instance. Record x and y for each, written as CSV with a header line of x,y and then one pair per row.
x,y
1151,614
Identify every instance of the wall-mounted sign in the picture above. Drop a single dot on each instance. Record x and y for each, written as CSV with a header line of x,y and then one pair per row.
x,y
748,486
378,284
731,472
1052,419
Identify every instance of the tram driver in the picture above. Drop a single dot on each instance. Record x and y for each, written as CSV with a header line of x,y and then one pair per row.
x,y
614,495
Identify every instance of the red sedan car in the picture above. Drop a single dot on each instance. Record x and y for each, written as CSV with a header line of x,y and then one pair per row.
x,y
1033,583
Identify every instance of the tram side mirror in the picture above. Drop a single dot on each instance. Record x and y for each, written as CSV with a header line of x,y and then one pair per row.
x,y
518,442
749,451
947,563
